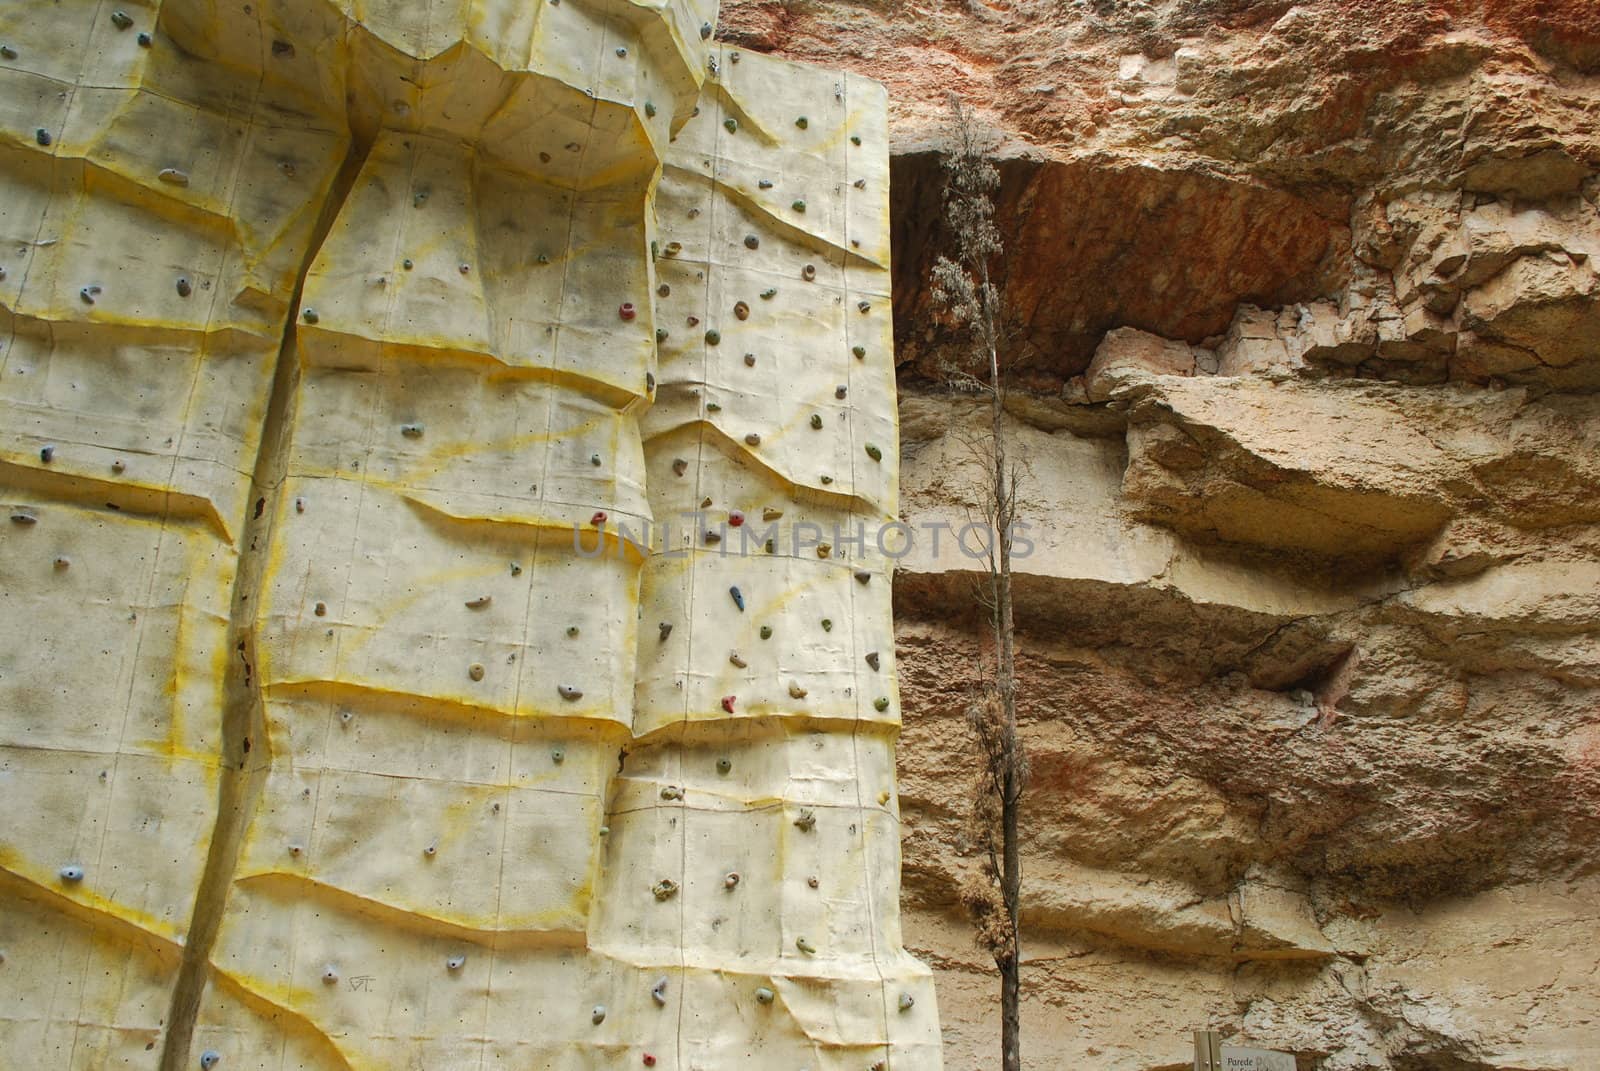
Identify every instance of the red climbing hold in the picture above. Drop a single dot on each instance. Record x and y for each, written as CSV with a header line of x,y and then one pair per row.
x,y
735,518
626,310
598,519
649,1061
727,703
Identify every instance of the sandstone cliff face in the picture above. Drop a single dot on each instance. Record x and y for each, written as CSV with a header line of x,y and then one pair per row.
x,y
1305,303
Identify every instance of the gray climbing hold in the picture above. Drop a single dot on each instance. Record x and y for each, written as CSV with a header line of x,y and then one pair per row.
x,y
88,294
47,454
594,459
809,272
769,294
812,881
658,992
738,660
864,306
23,518
71,873
666,630
570,693
209,1059
118,466
42,136
671,792
173,177
764,995
807,820
724,765
7,52
738,598
753,439
480,602
805,946
705,30
765,184
309,315
649,110
679,466
598,1014
184,289
431,849
411,431
330,974
456,962
145,40
751,241
872,659
516,569
661,334
63,562
621,52
906,1001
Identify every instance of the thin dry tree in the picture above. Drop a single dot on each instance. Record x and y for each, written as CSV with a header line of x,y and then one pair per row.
x,y
965,288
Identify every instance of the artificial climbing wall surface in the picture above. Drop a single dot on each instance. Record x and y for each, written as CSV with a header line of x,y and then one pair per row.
x,y
326,743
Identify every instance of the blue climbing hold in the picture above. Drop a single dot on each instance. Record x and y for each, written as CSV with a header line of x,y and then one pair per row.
x,y
738,598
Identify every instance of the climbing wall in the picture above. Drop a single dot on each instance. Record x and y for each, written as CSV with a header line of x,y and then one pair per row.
x,y
345,723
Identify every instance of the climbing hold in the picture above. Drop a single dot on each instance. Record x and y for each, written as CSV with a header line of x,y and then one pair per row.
x,y
572,631
764,995
712,537
671,792
649,382
594,459
309,315
738,598
731,124
173,177
475,671
860,184
649,1061
705,30
772,546
827,624
824,550
411,431
741,311
455,963
679,466
727,703
658,992
873,452
88,294
765,184
599,518
621,52
766,632
283,48
753,439
798,205
805,946
570,693
598,1014
881,703
771,514
872,659
749,360
626,310
406,264
296,849
724,765
118,466
751,241
431,849
840,391
71,873
906,1001
802,122
666,630
184,289
807,820
299,505
7,52
516,568
713,407
674,248
769,294
883,797
330,974
209,1059
480,602
732,880
863,576
816,421
47,454
738,660
735,519
864,306
42,136
649,110
321,609
63,562
795,691
144,40
464,268
826,479
809,272
664,290
661,334
713,336
855,139
859,351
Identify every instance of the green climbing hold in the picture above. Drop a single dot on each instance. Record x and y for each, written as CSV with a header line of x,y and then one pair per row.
x,y
802,122
731,123
827,624
859,351
768,295
766,632
881,703
713,336
874,453
816,421
799,206
855,139
649,110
